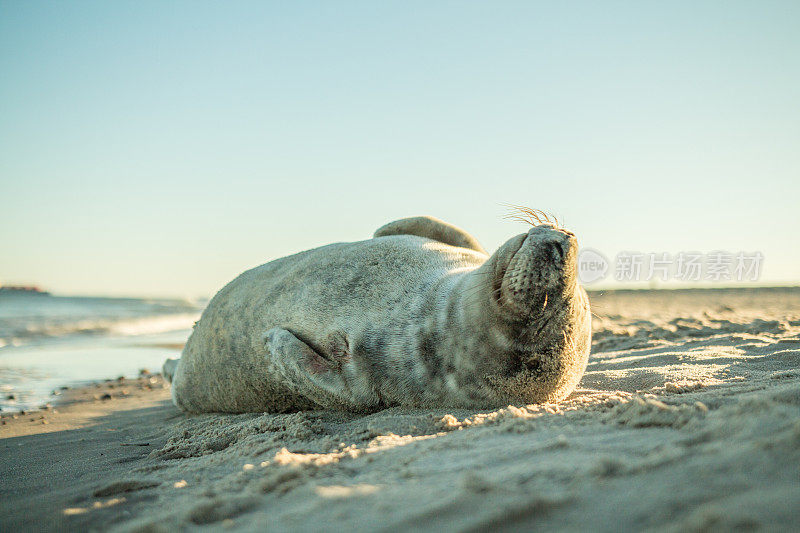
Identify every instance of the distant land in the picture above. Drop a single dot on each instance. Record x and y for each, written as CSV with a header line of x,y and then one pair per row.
x,y
27,289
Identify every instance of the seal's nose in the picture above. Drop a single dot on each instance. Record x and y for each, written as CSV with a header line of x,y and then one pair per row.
x,y
554,242
556,246
558,249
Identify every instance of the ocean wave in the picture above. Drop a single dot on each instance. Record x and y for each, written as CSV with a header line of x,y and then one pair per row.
x,y
31,318
30,332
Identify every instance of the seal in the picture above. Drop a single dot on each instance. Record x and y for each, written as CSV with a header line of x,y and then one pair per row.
x,y
419,315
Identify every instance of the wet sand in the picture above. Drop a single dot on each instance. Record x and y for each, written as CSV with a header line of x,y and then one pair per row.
x,y
55,460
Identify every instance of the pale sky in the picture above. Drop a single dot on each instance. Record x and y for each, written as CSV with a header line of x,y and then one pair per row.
x,y
160,148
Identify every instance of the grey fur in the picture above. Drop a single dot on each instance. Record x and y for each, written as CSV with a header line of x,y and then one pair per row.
x,y
400,319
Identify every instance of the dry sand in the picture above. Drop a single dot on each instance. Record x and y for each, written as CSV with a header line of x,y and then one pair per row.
x,y
688,418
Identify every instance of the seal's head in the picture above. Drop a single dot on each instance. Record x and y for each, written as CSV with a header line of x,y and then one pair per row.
x,y
541,324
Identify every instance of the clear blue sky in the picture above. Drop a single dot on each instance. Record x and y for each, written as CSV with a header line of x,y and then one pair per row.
x,y
162,147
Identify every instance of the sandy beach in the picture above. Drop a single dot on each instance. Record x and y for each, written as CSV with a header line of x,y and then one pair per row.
x,y
688,418
358,205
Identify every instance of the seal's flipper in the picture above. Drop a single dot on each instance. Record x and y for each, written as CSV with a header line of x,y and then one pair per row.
x,y
168,370
319,379
431,228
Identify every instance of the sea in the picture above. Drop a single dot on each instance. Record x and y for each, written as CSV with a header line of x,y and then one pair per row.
x,y
50,342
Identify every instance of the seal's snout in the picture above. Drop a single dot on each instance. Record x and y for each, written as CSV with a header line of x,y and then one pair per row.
x,y
548,241
544,265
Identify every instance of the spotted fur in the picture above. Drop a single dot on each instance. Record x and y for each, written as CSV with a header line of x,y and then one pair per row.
x,y
400,319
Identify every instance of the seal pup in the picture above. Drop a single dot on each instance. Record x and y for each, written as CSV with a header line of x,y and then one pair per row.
x,y
420,316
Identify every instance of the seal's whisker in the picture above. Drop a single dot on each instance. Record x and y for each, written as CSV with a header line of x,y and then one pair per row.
x,y
534,217
476,289
520,218
573,347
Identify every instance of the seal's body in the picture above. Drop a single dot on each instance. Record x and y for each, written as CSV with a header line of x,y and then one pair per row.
x,y
418,316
